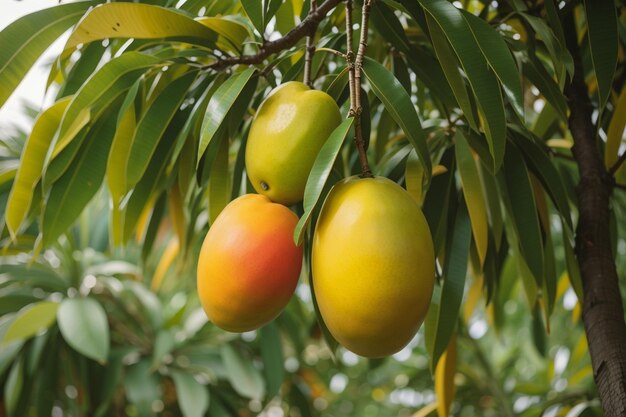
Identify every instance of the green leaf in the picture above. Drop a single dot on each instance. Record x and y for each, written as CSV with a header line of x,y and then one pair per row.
x,y
545,171
220,104
99,91
31,320
319,175
398,103
483,81
31,164
193,397
244,377
84,326
615,131
24,40
71,193
232,34
82,69
272,354
560,56
523,211
117,163
219,181
139,21
152,125
13,387
602,23
449,63
473,193
454,271
388,24
142,386
534,70
500,60
254,10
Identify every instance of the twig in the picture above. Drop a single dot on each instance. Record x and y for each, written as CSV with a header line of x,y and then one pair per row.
x,y
350,57
310,50
617,164
355,81
307,26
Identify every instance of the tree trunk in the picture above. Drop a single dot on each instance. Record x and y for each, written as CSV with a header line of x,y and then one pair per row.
x,y
603,313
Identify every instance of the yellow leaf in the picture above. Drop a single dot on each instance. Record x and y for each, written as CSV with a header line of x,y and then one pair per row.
x,y
474,294
426,410
439,169
118,156
444,379
32,163
168,256
560,143
474,196
615,133
139,21
414,176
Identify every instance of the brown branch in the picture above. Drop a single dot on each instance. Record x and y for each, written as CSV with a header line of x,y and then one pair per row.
x,y
307,26
350,57
310,50
603,312
355,106
617,164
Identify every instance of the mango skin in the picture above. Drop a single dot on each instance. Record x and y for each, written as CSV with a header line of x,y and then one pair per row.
x,y
286,135
248,266
373,265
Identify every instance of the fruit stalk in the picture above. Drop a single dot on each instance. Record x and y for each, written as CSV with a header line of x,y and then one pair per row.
x,y
354,70
310,50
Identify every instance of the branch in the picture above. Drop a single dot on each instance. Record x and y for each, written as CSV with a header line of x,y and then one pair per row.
x,y
617,164
355,86
310,50
307,26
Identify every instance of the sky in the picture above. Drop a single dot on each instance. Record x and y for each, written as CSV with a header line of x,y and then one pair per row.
x,y
32,87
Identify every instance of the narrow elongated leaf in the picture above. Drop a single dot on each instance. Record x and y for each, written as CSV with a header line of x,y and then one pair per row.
x,y
524,213
602,23
473,193
71,193
30,321
500,60
319,175
483,82
82,69
254,10
455,269
615,133
444,378
219,181
272,354
387,23
117,163
244,377
398,103
537,74
220,104
232,34
104,86
84,326
543,168
31,164
193,397
152,125
24,40
139,21
449,63
414,177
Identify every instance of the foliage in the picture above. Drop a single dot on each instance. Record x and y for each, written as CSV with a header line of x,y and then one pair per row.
x,y
145,143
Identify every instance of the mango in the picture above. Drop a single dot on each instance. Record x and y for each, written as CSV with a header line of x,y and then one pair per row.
x,y
373,265
287,132
248,266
